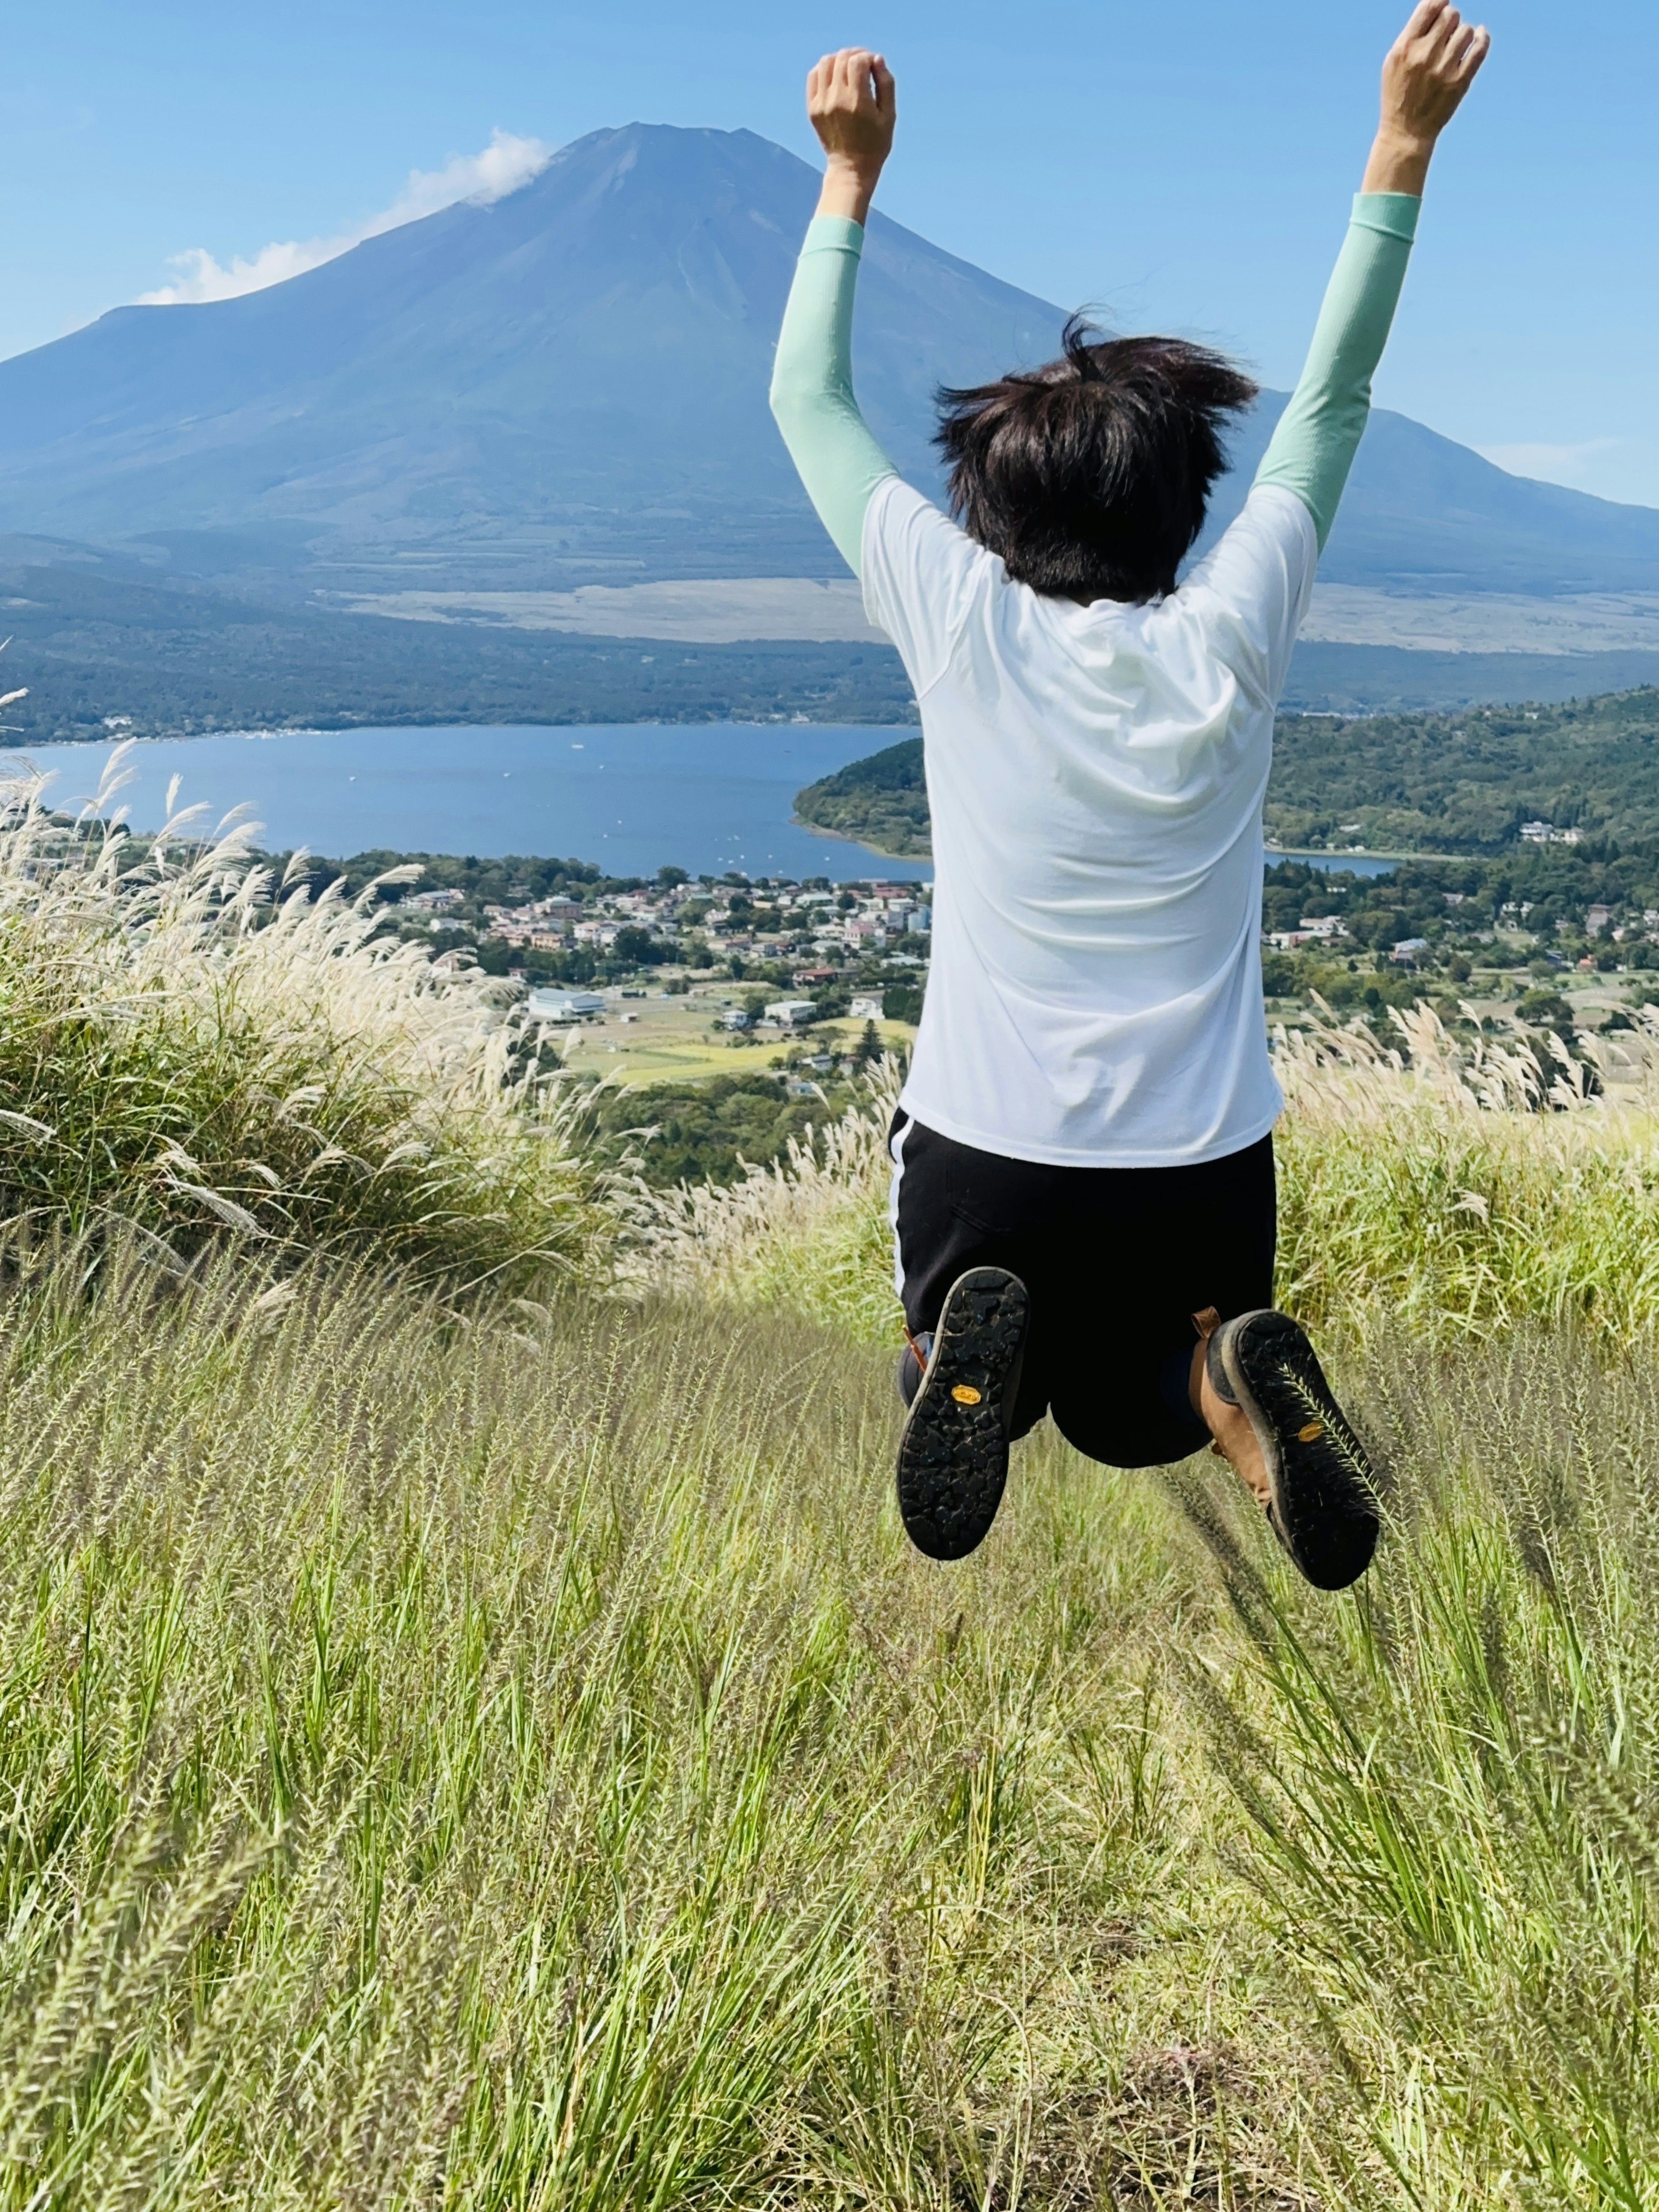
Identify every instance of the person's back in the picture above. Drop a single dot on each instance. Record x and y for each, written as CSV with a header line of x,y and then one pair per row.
x,y
1083,1156
1094,776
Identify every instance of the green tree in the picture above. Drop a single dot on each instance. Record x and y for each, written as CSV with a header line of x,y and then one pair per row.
x,y
1545,1009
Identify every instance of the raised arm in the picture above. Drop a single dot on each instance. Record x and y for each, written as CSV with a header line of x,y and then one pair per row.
x,y
850,100
1430,66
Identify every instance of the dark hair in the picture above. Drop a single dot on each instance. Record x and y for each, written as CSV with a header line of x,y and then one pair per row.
x,y
1090,478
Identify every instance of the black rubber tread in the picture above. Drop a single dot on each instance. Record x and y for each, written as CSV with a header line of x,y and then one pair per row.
x,y
953,1457
1324,1496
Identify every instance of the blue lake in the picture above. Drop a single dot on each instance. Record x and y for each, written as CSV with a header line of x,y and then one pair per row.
x,y
634,798
1336,864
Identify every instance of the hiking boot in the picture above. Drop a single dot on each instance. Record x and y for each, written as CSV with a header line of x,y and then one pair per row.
x,y
1319,1491
953,1455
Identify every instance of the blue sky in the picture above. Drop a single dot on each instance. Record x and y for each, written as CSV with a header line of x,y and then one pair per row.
x,y
1184,167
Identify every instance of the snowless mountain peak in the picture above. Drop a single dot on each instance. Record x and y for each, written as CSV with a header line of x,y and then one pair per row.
x,y
567,382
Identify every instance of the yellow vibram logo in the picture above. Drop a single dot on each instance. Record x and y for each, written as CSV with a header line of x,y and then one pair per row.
x,y
1312,1434
965,1395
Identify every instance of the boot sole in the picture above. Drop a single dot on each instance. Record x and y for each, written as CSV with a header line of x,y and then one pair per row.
x,y
1324,1500
953,1455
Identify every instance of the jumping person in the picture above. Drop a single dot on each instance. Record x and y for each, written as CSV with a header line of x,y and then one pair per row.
x,y
1083,1167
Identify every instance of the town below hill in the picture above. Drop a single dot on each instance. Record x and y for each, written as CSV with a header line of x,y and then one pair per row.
x,y
712,1021
563,924
716,1021
1486,780
1561,939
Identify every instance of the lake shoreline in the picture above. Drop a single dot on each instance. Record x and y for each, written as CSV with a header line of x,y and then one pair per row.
x,y
20,742
1277,852
629,798
865,844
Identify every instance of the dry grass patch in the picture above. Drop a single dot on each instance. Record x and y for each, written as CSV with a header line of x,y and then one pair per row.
x,y
186,1046
1462,1187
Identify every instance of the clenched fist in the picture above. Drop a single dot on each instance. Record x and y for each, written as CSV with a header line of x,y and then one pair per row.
x,y
850,102
1431,65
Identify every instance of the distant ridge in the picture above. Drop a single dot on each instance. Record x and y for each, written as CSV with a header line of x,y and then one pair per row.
x,y
569,385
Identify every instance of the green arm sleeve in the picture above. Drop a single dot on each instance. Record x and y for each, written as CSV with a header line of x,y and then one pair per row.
x,y
829,441
1319,433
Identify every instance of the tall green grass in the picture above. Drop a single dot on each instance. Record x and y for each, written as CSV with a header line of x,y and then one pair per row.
x,y
811,1235
1453,1782
521,1763
1467,1188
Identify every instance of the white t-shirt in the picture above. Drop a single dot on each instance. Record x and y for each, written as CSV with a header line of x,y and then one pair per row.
x,y
1095,776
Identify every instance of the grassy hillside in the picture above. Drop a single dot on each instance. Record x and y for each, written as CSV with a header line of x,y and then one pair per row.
x,y
1452,783
1470,1186
1465,782
524,1764
472,1733
188,1044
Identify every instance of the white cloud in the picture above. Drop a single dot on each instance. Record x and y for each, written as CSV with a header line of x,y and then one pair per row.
x,y
506,163
1622,468
202,277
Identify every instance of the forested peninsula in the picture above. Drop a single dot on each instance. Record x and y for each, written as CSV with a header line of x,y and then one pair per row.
x,y
1484,782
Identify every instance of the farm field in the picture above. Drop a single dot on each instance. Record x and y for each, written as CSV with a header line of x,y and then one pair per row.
x,y
658,1040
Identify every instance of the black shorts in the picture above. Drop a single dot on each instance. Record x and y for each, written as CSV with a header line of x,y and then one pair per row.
x,y
1117,1261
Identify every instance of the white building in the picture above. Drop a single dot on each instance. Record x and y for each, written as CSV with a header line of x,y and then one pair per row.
x,y
792,1013
867,1008
1310,932
548,1005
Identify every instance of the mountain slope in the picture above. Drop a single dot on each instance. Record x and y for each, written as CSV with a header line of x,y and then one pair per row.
x,y
1423,513
570,384
587,356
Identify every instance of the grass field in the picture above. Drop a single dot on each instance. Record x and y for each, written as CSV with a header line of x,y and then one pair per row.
x,y
658,1040
523,1764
